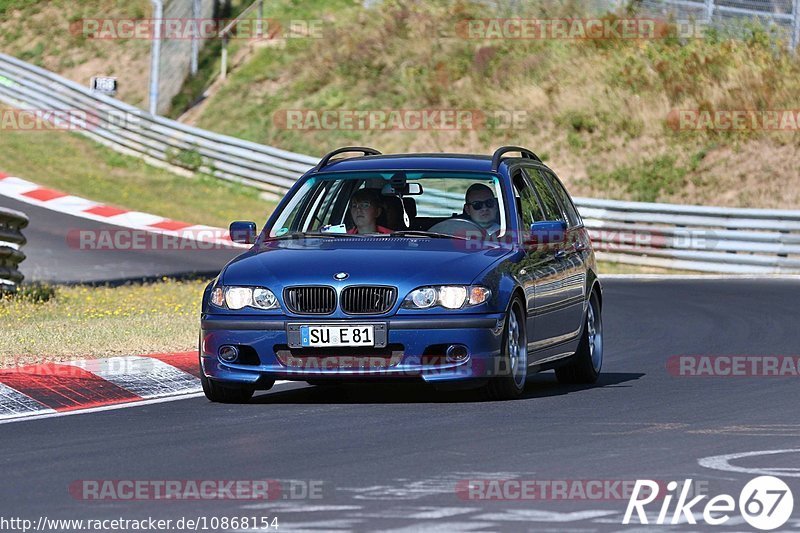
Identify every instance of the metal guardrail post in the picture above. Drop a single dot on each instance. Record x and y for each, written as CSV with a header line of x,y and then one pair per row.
x,y
260,22
195,39
709,11
11,241
223,68
155,55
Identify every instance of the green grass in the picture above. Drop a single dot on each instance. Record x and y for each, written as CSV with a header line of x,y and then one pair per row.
x,y
6,6
72,163
208,65
643,182
83,321
209,60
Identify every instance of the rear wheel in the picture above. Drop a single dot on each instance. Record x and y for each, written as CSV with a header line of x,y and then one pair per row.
x,y
584,367
513,364
217,392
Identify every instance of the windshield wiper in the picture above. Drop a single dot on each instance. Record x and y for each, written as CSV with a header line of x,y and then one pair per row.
x,y
284,236
331,234
421,233
301,234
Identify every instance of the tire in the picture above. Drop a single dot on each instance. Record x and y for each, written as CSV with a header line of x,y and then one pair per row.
x,y
513,363
584,367
321,383
225,393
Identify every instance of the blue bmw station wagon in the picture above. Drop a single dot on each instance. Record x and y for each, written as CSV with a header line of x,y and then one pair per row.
x,y
456,270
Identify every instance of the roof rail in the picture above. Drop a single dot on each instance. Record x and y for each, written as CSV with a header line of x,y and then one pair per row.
x,y
363,149
526,154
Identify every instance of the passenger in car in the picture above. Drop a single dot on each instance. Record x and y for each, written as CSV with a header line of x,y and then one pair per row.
x,y
366,205
481,207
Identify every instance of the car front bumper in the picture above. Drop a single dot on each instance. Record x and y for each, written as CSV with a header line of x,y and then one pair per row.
x,y
416,349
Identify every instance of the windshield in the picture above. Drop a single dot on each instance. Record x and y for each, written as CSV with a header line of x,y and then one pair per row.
x,y
395,204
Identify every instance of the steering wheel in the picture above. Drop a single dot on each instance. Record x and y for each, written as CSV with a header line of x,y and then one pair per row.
x,y
457,226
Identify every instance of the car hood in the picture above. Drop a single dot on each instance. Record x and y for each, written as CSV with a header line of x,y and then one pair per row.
x,y
365,260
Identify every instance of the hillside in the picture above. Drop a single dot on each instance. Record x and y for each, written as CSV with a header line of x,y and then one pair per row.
x,y
602,113
44,33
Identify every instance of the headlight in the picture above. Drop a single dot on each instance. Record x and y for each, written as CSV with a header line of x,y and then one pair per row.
x,y
264,299
423,298
452,297
447,296
236,298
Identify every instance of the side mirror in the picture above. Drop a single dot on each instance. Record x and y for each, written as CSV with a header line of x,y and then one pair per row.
x,y
548,232
243,232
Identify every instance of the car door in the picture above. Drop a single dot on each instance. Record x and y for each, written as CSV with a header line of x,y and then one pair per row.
x,y
555,308
539,271
575,253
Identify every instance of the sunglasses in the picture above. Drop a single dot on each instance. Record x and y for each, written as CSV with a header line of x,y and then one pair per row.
x,y
478,204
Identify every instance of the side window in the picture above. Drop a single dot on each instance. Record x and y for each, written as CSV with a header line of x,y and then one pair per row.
x,y
552,211
327,213
319,211
291,215
527,205
573,217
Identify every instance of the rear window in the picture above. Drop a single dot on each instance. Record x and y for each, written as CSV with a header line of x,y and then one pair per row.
x,y
550,206
570,210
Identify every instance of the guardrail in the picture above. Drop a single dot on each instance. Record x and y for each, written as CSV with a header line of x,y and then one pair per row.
x,y
699,238
11,240
784,14
160,141
711,239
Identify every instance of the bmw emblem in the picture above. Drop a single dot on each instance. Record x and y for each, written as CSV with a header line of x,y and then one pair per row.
x,y
341,276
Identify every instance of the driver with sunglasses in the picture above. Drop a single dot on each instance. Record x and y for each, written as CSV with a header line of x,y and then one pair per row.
x,y
481,207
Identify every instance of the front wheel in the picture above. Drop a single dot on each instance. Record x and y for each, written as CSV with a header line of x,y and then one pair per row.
x,y
513,364
584,367
217,392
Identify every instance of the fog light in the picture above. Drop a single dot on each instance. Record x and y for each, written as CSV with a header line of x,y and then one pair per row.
x,y
228,353
457,353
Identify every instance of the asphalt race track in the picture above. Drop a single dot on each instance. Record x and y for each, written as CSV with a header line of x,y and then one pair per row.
x,y
388,458
51,257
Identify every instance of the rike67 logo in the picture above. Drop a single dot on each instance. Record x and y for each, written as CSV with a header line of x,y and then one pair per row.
x,y
765,503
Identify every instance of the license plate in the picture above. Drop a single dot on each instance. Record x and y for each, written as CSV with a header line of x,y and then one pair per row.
x,y
337,336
